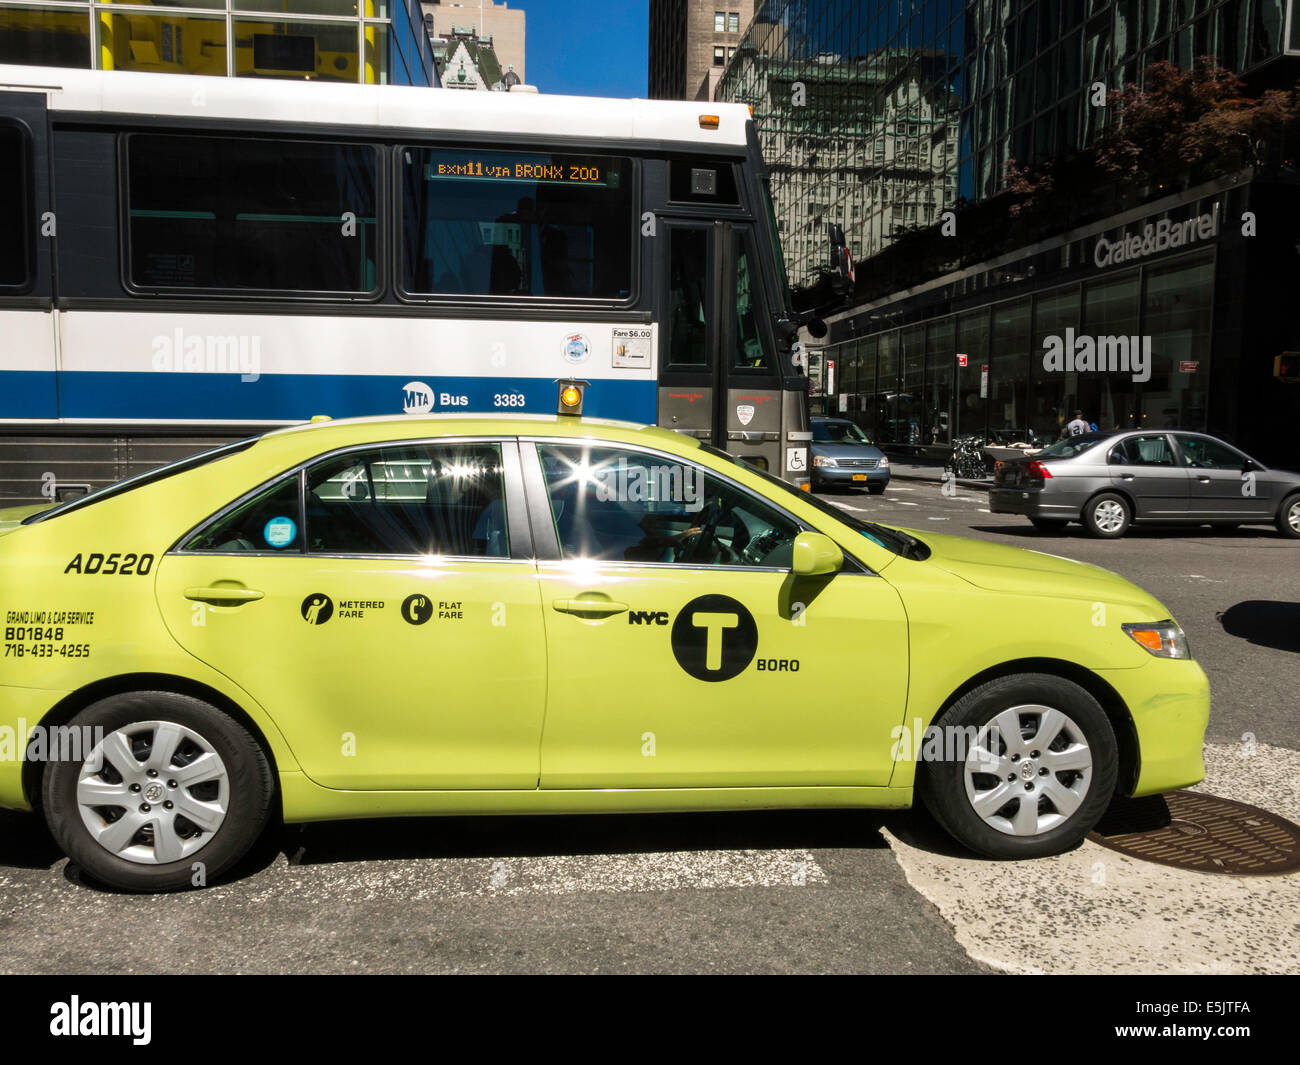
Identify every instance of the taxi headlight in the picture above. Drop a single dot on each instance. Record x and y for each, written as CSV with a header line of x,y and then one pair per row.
x,y
1164,639
824,462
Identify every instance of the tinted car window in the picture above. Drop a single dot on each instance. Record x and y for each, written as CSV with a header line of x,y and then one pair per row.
x,y
1203,453
838,433
269,521
625,506
1070,447
427,499
1143,451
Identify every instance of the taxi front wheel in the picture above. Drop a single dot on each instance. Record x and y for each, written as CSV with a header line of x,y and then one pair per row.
x,y
167,793
1030,768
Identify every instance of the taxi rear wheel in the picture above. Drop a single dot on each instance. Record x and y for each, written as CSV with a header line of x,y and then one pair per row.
x,y
1034,772
170,793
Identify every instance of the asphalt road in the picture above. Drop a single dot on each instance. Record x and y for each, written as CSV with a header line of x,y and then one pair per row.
x,y
755,892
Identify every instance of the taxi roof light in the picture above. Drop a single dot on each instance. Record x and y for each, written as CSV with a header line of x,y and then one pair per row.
x,y
569,400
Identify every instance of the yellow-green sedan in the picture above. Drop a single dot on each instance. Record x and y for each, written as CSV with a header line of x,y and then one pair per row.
x,y
489,615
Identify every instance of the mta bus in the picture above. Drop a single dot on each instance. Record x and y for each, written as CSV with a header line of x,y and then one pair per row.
x,y
186,260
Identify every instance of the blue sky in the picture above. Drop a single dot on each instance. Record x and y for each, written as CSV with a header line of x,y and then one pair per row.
x,y
587,47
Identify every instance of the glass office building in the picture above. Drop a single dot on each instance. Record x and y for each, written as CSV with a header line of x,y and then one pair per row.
x,y
880,116
366,41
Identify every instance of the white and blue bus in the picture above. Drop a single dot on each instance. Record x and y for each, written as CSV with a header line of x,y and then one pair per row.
x,y
192,259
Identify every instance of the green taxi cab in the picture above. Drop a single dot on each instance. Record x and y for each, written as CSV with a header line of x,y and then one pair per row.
x,y
416,616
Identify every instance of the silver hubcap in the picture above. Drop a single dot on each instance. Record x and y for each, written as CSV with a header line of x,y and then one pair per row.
x,y
1028,771
1293,515
153,792
1109,515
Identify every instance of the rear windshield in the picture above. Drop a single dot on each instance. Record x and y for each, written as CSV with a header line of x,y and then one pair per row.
x,y
190,462
1072,446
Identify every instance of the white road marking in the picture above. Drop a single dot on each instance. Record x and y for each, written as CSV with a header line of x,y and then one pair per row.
x,y
1095,910
905,503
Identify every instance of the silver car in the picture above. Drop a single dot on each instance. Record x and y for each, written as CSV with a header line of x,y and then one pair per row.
x,y
1108,481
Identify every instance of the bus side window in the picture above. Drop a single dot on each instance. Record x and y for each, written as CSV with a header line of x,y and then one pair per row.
x,y
15,161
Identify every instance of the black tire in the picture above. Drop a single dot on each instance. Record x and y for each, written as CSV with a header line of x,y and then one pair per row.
x,y
1288,517
250,787
1049,525
876,491
941,785
1111,507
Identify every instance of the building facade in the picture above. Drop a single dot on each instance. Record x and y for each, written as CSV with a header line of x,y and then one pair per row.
x,y
497,25
883,116
371,42
691,42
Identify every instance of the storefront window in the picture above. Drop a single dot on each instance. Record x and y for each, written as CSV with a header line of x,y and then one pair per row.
x,y
885,403
325,51
45,37
940,356
1009,380
911,399
162,44
1178,303
1054,312
1110,319
973,342
864,407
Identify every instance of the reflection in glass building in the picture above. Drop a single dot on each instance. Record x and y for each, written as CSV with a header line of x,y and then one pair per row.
x,y
880,114
858,118
367,41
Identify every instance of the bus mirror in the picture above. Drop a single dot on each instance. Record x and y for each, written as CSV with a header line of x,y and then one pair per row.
x,y
842,273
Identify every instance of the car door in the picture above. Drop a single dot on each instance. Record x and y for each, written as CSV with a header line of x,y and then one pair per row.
x,y
1147,468
1220,485
682,651
380,604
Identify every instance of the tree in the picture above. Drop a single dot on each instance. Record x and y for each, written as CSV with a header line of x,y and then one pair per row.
x,y
1183,125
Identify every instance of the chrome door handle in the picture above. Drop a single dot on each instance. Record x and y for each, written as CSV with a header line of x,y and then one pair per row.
x,y
589,606
1127,476
228,596
1202,479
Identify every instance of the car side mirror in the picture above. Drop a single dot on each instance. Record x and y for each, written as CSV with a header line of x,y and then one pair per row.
x,y
816,555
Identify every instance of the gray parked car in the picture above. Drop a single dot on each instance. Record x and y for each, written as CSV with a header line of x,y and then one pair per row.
x,y
842,454
1107,481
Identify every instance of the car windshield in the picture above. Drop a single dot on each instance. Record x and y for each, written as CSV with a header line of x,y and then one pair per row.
x,y
825,432
1072,446
895,540
190,462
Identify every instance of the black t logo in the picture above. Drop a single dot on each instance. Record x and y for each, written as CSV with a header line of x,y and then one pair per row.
x,y
317,608
714,637
417,609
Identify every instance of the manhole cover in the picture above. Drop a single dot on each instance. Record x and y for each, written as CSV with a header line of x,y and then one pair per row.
x,y
1192,830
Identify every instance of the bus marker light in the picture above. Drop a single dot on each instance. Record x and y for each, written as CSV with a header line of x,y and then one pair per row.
x,y
708,121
